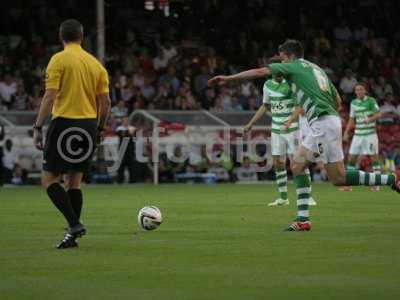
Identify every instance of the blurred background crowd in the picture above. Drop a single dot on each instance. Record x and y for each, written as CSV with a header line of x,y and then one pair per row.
x,y
161,60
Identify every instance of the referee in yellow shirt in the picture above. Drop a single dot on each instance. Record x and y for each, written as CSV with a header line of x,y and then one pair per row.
x,y
77,97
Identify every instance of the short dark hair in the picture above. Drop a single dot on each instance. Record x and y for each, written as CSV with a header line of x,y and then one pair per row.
x,y
363,84
292,47
71,30
274,60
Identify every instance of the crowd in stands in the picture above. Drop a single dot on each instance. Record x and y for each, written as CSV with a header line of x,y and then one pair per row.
x,y
164,63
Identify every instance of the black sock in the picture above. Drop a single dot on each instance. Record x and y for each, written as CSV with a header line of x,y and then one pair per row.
x,y
61,200
75,196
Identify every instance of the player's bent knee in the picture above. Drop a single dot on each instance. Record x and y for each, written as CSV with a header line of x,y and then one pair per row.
x,y
297,169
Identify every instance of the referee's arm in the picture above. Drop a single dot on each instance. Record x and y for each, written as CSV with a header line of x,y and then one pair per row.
x,y
103,101
103,108
44,112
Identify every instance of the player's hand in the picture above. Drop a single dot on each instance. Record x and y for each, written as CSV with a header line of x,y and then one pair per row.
x,y
218,80
38,139
286,126
367,120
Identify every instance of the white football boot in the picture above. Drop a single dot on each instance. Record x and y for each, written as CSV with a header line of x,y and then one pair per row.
x,y
279,202
312,202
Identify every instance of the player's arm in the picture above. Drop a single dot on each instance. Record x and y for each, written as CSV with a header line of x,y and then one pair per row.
x,y
103,109
373,118
245,75
293,117
377,114
260,112
45,109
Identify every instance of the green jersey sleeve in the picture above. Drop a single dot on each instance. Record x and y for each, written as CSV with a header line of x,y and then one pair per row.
x,y
285,69
333,89
374,106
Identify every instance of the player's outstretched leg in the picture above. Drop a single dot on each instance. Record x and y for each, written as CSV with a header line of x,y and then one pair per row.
x,y
356,178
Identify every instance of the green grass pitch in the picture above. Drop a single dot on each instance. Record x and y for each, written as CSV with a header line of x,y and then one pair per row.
x,y
216,242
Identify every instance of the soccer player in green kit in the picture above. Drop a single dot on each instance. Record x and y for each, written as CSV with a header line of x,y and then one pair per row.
x,y
284,141
317,96
364,112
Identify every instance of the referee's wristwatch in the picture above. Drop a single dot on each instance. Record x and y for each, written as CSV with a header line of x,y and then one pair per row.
x,y
37,127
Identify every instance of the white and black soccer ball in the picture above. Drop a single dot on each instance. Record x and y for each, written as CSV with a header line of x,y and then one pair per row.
x,y
149,217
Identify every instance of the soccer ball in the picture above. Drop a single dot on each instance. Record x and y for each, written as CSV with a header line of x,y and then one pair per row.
x,y
149,217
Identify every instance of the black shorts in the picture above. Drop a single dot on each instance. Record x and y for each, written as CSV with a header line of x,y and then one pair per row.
x,y
69,145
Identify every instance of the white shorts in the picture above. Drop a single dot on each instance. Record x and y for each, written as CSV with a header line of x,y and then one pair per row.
x,y
325,139
364,145
284,143
304,127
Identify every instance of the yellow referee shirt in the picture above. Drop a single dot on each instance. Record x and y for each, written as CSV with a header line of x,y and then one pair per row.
x,y
79,77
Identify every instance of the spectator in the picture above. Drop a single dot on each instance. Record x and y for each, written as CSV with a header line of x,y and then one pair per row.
x,y
321,43
10,159
35,99
20,98
212,63
126,132
146,63
388,110
115,90
119,112
19,176
138,78
381,88
169,51
148,91
8,88
201,80
247,172
220,172
342,32
360,32
160,62
348,83
170,78
395,81
235,104
178,161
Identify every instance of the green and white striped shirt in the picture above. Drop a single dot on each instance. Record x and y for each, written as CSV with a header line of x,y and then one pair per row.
x,y
360,110
279,96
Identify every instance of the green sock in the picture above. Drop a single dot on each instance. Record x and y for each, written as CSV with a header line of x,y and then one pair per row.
x,y
303,191
281,181
376,166
364,178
